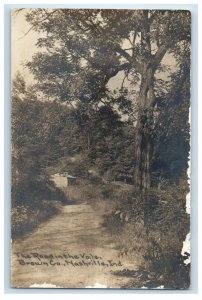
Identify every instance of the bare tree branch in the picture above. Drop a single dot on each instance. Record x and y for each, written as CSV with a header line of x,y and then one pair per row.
x,y
33,26
129,58
26,33
126,76
158,56
113,72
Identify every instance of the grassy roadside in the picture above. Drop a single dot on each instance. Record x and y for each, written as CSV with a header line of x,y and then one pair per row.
x,y
26,218
157,246
34,202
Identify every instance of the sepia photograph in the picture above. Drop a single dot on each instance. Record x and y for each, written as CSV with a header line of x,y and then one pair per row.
x,y
100,148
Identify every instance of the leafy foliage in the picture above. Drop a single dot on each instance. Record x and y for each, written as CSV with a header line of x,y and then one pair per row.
x,y
172,128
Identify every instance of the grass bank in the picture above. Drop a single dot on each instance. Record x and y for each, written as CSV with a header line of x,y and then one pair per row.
x,y
151,233
33,204
26,218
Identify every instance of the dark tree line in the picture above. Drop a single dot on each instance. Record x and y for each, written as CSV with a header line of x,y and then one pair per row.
x,y
47,135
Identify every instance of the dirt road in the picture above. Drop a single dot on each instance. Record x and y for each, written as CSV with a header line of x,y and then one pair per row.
x,y
72,250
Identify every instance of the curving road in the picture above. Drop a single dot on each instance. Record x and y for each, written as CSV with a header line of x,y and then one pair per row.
x,y
72,250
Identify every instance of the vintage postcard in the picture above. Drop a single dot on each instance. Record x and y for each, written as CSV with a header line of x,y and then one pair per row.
x,y
100,148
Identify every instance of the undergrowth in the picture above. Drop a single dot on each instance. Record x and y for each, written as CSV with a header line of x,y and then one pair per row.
x,y
25,218
150,232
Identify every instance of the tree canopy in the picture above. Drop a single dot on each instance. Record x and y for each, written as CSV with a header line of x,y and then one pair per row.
x,y
82,49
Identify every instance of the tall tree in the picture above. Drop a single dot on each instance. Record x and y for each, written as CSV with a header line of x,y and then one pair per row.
x,y
84,49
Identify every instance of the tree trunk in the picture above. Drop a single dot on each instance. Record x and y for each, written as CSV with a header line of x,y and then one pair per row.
x,y
143,141
145,124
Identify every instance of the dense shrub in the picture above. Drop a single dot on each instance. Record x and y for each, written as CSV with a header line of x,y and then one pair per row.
x,y
25,218
152,233
27,191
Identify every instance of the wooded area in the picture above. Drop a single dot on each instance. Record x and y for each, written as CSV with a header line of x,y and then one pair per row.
x,y
128,145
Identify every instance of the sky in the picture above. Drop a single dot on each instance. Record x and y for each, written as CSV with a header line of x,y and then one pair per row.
x,y
23,46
